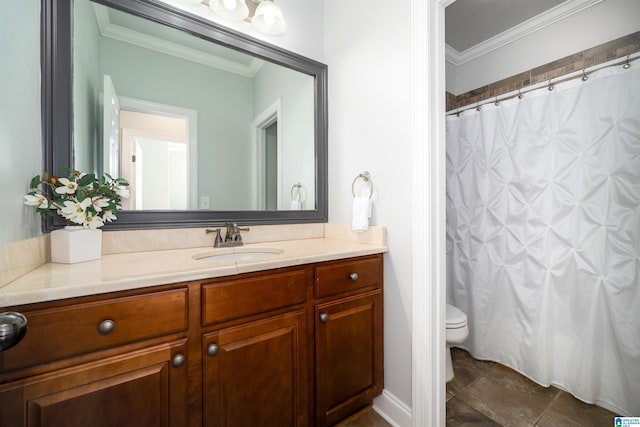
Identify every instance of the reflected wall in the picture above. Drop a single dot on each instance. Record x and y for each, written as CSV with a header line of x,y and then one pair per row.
x,y
226,102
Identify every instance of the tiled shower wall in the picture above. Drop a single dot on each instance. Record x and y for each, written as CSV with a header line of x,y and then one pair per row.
x,y
614,49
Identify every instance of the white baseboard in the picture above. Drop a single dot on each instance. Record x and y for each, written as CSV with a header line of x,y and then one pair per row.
x,y
393,410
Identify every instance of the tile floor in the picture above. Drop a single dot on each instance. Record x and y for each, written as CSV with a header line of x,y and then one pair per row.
x,y
487,394
490,394
365,418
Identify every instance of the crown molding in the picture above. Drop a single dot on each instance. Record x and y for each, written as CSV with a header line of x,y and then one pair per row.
x,y
126,35
551,16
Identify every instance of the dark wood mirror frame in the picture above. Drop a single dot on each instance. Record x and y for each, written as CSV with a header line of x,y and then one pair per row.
x,y
57,110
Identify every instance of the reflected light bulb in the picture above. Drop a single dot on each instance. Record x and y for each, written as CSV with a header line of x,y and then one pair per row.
x,y
229,4
269,17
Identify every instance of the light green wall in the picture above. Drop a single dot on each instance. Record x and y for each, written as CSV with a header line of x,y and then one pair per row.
x,y
297,92
20,117
87,85
224,104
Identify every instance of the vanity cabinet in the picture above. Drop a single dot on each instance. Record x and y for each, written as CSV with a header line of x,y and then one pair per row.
x,y
117,361
255,374
255,371
296,346
143,388
349,337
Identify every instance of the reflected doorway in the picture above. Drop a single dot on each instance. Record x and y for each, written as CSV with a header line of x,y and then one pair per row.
x,y
158,155
267,158
154,147
271,167
154,160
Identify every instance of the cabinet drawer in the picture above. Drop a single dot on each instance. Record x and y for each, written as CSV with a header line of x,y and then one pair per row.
x,y
337,277
232,299
66,331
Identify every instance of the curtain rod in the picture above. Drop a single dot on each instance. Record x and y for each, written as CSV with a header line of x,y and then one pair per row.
x,y
550,84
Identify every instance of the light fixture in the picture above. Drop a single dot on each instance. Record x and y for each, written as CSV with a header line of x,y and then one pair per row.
x,y
232,10
268,19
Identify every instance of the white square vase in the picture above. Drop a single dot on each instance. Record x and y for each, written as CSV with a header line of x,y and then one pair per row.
x,y
75,244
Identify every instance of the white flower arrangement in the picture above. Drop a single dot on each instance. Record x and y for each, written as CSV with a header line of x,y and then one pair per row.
x,y
82,199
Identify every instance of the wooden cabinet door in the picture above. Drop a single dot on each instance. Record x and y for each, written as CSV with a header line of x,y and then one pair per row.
x,y
255,374
141,388
349,366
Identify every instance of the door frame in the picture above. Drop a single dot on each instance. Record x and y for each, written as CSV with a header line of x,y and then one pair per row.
x,y
150,107
428,285
266,118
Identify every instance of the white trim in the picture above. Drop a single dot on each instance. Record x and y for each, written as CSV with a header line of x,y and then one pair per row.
x,y
127,35
111,145
392,409
428,212
270,115
144,106
553,15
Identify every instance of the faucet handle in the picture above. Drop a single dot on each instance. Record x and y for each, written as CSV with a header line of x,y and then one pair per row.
x,y
231,231
235,233
218,238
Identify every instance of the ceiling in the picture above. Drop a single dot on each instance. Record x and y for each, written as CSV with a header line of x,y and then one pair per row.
x,y
138,31
471,22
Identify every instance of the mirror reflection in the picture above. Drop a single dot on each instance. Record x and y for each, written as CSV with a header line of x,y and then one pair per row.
x,y
191,125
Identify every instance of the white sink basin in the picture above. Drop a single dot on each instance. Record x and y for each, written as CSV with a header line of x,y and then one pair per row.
x,y
238,254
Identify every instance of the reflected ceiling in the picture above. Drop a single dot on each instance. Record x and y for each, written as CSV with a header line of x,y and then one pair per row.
x,y
130,28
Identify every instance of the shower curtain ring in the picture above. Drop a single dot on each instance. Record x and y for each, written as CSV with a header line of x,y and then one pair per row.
x,y
626,64
584,75
520,95
478,107
550,85
497,102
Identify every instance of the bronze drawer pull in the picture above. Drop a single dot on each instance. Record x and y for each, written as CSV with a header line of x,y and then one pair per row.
x,y
106,327
178,360
213,349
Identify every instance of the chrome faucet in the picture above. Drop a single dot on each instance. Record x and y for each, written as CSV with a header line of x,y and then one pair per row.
x,y
232,236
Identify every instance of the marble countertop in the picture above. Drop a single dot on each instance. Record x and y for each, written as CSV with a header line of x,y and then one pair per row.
x,y
124,271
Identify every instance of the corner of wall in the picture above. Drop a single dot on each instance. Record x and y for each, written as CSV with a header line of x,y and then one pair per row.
x,y
19,258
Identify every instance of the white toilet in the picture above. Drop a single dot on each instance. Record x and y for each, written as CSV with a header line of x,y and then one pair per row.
x,y
457,332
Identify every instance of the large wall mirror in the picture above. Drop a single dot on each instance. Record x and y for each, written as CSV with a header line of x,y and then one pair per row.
x,y
207,125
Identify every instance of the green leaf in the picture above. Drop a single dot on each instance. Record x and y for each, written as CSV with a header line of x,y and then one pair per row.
x,y
35,181
45,212
80,194
87,179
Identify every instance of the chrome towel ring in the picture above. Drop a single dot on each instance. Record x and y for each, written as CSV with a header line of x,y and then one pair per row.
x,y
364,176
298,192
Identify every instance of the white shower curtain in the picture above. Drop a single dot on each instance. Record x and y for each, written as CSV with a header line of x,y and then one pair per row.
x,y
543,235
